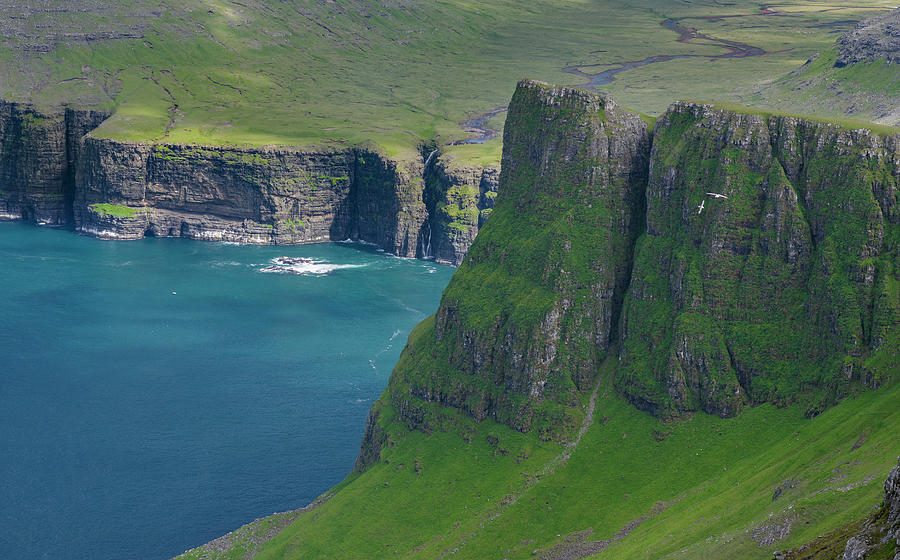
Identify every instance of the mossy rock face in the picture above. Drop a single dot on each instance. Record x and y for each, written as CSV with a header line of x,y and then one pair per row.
x,y
784,291
529,315
739,258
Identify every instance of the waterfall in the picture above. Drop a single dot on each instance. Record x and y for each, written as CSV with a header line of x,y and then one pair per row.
x,y
428,159
425,246
425,232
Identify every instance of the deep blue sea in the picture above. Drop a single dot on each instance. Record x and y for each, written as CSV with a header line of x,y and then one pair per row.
x,y
156,394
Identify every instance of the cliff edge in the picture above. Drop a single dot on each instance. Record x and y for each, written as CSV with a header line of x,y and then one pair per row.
x,y
54,172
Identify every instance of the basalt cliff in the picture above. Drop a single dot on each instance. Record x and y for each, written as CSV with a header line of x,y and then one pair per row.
x,y
53,172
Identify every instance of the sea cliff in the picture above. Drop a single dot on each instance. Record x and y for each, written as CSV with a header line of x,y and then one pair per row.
x,y
725,260
53,172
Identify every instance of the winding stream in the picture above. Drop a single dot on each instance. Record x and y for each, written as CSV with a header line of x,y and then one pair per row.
x,y
733,49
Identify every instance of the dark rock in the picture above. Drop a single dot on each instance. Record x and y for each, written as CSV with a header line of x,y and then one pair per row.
x,y
53,172
872,39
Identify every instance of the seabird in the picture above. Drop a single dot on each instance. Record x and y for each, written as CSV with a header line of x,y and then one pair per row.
x,y
701,205
717,195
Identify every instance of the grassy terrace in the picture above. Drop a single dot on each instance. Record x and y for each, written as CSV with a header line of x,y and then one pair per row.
x,y
395,74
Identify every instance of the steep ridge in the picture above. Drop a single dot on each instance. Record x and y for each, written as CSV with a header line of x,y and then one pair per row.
x,y
738,259
53,172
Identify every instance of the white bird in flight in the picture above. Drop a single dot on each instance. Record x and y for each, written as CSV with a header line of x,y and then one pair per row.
x,y
717,195
702,203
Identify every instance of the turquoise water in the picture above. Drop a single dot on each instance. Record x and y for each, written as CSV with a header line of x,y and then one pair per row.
x,y
156,394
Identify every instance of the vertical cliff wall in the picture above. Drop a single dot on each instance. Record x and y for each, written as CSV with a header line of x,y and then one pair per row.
x,y
459,198
52,172
530,314
38,151
784,286
735,259
271,195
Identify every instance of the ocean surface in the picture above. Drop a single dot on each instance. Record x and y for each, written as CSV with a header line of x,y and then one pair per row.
x,y
157,394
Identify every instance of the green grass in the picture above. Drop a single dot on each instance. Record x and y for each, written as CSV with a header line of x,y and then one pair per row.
x,y
116,210
869,90
396,75
485,489
843,122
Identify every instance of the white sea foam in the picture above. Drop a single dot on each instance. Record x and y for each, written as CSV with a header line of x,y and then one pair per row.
x,y
221,264
305,267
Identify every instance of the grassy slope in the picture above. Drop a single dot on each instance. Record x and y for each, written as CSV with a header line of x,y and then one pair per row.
x,y
261,72
718,476
867,90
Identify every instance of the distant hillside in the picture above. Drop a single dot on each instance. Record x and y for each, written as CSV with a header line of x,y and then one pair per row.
x,y
398,74
859,76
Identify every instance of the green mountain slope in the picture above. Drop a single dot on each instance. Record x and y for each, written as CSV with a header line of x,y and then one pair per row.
x,y
857,76
395,73
506,430
702,488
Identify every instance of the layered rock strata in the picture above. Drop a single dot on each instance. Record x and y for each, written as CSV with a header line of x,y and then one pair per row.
x,y
52,173
38,155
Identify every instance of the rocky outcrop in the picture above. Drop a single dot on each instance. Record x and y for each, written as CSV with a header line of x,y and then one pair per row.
x,y
877,537
872,39
766,270
52,172
880,534
735,259
529,316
